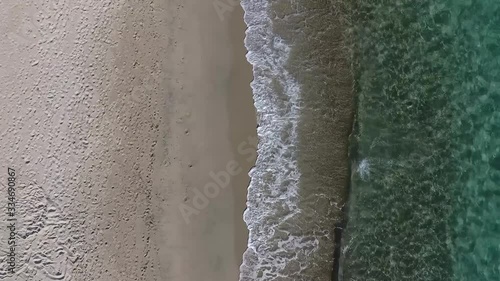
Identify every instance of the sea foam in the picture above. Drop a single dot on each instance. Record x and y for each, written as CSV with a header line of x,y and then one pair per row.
x,y
273,252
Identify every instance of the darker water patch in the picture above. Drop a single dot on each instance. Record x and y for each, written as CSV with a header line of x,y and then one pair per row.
x,y
320,62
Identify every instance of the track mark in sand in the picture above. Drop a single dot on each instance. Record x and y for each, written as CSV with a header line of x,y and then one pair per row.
x,y
46,250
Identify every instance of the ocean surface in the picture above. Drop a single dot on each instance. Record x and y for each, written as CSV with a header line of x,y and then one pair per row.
x,y
425,202
414,192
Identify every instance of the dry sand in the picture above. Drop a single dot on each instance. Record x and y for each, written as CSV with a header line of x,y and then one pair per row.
x,y
113,115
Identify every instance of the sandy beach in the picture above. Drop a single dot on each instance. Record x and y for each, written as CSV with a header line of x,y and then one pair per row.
x,y
130,128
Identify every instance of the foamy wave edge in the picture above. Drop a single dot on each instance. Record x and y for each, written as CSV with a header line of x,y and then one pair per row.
x,y
272,201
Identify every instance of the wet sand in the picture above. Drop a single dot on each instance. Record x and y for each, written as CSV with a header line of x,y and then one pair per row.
x,y
116,116
215,116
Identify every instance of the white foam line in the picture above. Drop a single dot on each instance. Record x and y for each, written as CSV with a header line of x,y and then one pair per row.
x,y
269,203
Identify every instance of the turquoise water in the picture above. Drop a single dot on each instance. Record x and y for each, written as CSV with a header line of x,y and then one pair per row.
x,y
425,198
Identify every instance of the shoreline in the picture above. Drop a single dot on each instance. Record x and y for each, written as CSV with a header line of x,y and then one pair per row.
x,y
244,123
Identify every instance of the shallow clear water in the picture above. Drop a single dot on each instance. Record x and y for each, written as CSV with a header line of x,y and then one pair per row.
x,y
425,203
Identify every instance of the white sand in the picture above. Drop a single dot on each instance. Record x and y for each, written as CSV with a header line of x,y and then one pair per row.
x,y
113,115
